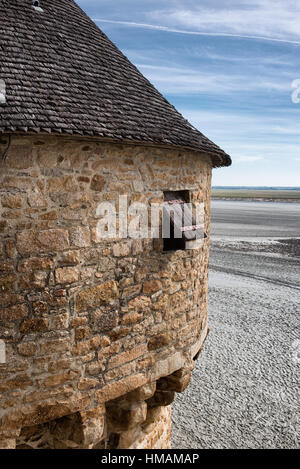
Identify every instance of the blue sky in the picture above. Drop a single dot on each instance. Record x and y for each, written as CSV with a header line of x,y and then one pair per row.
x,y
228,66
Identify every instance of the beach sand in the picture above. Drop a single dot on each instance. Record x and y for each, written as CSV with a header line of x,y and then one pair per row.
x,y
245,388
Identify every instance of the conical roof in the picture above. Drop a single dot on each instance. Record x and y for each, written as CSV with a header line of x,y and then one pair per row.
x,y
63,75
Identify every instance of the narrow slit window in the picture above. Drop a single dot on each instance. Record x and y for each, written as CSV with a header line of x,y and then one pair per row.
x,y
180,229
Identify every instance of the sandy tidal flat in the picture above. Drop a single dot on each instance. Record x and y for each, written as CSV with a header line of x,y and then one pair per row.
x,y
245,390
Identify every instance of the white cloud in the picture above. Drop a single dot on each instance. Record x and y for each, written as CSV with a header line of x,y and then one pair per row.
x,y
268,19
248,138
250,24
251,114
181,80
245,124
206,54
247,159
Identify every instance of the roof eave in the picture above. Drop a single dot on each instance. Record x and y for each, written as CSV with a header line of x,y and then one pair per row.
x,y
218,159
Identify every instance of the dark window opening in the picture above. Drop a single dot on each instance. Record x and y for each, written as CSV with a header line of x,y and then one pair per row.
x,y
36,4
180,229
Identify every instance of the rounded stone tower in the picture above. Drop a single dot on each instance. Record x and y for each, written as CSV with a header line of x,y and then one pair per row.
x,y
97,333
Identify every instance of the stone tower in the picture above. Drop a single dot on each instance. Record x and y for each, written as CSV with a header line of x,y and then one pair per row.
x,y
96,334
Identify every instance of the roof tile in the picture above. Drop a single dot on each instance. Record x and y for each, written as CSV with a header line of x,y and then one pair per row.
x,y
63,75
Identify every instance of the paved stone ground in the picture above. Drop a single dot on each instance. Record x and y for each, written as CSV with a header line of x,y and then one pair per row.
x,y
245,388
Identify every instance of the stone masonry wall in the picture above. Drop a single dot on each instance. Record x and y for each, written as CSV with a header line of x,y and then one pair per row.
x,y
96,332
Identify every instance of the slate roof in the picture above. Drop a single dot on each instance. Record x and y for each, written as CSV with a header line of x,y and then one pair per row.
x,y
63,75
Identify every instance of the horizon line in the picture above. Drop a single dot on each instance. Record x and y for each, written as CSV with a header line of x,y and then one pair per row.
x,y
257,187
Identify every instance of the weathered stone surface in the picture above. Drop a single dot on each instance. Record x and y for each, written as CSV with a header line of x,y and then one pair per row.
x,y
34,280
121,372
142,393
63,378
27,349
152,286
14,312
127,356
161,398
132,318
10,249
162,304
55,346
39,307
79,430
44,411
91,319
12,201
37,201
80,321
88,383
174,383
8,299
155,433
82,333
67,275
131,291
33,325
6,266
35,263
29,242
125,415
61,184
141,303
114,390
52,215
82,348
95,296
57,365
58,322
20,157
80,237
95,368
70,258
98,183
7,443
121,250
105,164
18,382
119,332
159,341
104,319
168,365
7,284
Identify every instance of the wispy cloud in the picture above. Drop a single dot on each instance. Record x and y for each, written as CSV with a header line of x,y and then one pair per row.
x,y
248,159
249,138
263,19
235,89
275,60
196,33
251,124
183,80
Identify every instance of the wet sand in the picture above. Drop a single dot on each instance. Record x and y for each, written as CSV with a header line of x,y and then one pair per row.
x,y
252,219
245,388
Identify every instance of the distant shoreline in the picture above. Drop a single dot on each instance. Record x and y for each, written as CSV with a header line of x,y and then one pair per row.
x,y
259,195
255,199
257,188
